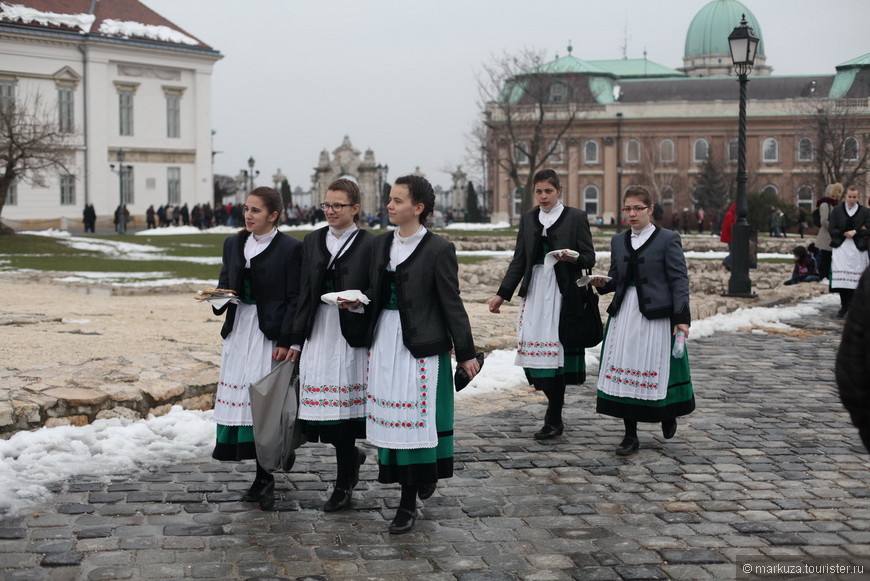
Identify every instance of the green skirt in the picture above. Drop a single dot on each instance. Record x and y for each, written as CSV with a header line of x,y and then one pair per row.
x,y
572,372
679,401
425,465
234,443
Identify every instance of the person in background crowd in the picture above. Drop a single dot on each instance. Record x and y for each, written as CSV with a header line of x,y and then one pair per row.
x,y
804,267
149,217
89,217
823,238
853,360
726,233
262,265
802,221
417,317
700,217
332,383
849,226
547,355
640,379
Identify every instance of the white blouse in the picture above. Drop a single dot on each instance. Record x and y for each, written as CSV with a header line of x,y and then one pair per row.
x,y
402,248
254,245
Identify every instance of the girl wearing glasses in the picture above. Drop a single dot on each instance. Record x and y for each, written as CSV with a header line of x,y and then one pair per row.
x,y
546,349
261,265
639,379
332,391
418,317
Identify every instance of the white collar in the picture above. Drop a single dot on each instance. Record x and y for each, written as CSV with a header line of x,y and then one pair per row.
x,y
645,230
341,233
265,237
415,237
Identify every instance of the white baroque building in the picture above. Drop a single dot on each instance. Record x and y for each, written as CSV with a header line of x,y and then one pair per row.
x,y
132,89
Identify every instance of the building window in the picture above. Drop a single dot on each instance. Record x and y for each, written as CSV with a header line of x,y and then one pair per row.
x,y
557,156
125,111
770,189
805,149
127,193
517,202
850,149
701,151
632,151
12,195
7,93
67,190
173,115
770,150
520,154
805,197
558,93
666,151
733,146
590,200
590,152
65,109
667,196
173,185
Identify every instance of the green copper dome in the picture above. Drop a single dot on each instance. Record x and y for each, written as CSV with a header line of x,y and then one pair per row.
x,y
708,33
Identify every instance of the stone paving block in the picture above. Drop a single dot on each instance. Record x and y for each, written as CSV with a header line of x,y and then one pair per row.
x,y
108,573
65,559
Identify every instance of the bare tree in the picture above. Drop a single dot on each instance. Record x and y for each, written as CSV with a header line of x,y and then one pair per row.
x,y
31,145
224,187
658,173
527,109
841,146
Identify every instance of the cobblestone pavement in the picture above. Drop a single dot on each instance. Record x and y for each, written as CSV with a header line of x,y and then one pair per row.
x,y
767,465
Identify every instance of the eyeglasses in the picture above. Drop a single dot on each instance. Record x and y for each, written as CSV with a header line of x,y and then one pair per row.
x,y
637,209
334,207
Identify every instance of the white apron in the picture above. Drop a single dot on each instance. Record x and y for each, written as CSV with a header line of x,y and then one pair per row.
x,y
637,354
847,265
331,372
401,391
246,357
538,345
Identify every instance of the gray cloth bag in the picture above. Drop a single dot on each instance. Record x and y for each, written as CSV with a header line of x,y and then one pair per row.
x,y
275,407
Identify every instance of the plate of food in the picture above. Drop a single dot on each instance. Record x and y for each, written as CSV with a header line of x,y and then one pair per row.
x,y
217,294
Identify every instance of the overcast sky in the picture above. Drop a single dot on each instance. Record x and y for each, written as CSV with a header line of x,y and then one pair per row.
x,y
400,76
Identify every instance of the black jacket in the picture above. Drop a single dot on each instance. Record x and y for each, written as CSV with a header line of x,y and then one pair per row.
x,y
853,360
427,288
839,222
351,272
658,269
275,274
571,231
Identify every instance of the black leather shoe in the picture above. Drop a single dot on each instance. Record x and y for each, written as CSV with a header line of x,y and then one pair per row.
x,y
403,522
340,499
424,492
628,446
669,428
260,489
549,432
360,460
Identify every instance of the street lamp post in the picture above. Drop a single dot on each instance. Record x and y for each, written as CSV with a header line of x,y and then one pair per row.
x,y
617,210
743,43
251,173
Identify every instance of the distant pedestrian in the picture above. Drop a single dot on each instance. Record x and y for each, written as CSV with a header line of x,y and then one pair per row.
x,y
853,361
802,221
700,217
823,238
150,214
640,379
726,233
849,225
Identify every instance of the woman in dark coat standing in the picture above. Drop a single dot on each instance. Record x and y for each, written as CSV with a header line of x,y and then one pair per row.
x,y
849,226
639,379
332,389
262,266
546,348
417,318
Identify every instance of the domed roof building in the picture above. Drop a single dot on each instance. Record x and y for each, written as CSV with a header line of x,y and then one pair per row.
x,y
707,53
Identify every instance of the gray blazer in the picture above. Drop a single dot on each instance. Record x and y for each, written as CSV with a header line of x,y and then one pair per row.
x,y
658,270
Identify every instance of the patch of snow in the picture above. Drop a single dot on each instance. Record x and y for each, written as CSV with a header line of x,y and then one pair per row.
x,y
26,15
129,29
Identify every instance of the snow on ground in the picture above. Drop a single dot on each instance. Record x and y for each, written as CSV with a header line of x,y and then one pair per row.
x,y
30,460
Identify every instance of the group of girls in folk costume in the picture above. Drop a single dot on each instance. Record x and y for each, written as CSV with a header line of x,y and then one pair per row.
x,y
639,379
262,265
332,391
418,317
379,370
549,358
849,227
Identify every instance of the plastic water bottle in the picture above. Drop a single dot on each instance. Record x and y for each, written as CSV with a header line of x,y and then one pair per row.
x,y
679,345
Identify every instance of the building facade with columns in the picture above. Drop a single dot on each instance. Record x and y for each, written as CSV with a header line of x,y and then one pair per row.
x,y
348,161
641,123
132,89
